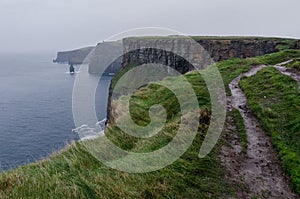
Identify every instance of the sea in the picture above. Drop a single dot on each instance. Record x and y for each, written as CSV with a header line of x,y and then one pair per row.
x,y
36,107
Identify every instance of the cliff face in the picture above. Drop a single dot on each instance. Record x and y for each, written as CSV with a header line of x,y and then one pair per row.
x,y
74,57
139,51
219,49
224,49
164,51
104,58
100,58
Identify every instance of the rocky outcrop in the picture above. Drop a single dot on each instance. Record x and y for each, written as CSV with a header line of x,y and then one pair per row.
x,y
296,45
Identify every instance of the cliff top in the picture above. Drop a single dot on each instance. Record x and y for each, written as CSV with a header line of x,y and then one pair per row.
x,y
259,38
75,173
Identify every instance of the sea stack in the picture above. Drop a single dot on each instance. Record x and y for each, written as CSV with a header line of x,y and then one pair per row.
x,y
72,69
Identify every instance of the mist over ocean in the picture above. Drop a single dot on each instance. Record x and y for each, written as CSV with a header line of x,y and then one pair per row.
x,y
36,107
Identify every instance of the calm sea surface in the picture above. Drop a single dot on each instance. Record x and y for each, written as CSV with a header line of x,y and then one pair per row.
x,y
36,107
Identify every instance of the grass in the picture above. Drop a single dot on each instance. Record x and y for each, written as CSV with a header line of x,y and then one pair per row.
x,y
232,68
279,57
275,99
294,65
279,111
75,173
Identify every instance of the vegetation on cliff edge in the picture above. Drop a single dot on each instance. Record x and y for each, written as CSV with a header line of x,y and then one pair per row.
x,y
75,173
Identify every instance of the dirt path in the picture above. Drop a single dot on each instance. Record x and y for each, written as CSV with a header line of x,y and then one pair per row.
x,y
259,171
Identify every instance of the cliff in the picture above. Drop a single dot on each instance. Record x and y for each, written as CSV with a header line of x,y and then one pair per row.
x,y
77,56
141,50
101,58
104,58
219,48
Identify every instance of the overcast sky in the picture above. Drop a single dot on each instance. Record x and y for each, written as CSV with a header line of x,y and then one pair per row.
x,y
54,25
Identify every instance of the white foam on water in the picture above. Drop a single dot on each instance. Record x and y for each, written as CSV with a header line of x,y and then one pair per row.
x,y
87,133
72,73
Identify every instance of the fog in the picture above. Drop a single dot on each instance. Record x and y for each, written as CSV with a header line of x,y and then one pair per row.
x,y
54,25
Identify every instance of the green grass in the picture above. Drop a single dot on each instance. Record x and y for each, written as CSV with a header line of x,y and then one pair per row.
x,y
294,65
275,99
75,173
232,68
279,57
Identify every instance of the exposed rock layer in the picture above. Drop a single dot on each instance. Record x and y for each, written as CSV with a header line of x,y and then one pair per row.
x,y
218,48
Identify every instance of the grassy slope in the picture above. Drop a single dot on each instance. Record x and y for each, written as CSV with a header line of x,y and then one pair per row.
x,y
275,99
295,65
75,173
233,67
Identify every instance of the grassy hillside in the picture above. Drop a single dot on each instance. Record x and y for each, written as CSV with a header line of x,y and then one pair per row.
x,y
74,173
295,65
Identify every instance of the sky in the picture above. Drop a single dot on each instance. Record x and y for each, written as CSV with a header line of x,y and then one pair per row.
x,y
57,25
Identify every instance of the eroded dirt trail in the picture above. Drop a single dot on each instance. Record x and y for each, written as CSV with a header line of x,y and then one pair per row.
x,y
259,169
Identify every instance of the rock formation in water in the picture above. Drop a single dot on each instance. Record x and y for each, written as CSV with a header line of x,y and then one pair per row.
x,y
72,69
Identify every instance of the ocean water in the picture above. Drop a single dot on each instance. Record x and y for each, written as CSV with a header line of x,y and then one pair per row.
x,y
36,107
